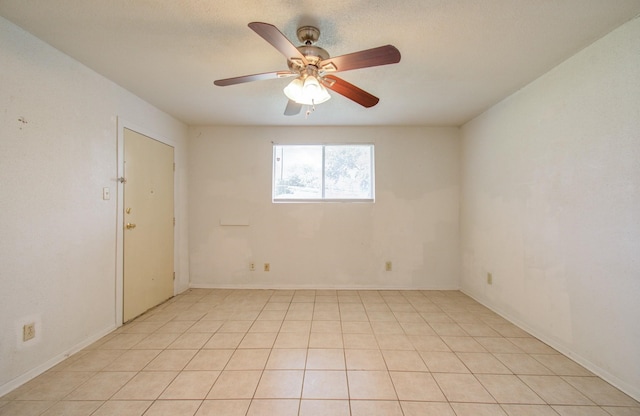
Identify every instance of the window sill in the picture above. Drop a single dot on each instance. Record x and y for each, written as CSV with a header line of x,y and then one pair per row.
x,y
320,201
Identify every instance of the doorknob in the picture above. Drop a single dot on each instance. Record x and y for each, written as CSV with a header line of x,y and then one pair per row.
x,y
130,226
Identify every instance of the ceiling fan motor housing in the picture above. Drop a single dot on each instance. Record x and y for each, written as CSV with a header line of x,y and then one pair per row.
x,y
314,54
308,35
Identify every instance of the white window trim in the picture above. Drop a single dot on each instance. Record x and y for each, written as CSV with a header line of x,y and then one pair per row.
x,y
323,199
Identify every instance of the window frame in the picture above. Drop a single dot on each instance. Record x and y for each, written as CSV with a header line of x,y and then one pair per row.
x,y
322,199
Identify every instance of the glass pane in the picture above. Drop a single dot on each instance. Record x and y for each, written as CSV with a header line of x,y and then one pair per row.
x,y
348,172
297,172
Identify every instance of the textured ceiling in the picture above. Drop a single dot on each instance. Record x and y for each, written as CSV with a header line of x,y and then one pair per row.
x,y
458,57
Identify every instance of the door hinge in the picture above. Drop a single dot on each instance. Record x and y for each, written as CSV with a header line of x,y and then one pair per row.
x,y
174,221
174,167
174,275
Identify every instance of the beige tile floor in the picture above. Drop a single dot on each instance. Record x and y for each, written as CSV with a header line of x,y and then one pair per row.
x,y
318,353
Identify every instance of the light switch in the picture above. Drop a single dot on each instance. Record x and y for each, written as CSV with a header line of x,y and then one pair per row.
x,y
106,194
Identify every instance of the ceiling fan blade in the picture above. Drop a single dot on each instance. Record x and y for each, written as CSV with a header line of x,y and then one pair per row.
x,y
382,55
293,108
350,91
254,77
272,34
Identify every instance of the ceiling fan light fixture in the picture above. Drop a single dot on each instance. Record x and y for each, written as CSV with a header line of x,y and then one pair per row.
x,y
308,91
310,63
310,86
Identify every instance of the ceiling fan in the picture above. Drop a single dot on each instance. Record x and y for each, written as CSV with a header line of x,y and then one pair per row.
x,y
313,68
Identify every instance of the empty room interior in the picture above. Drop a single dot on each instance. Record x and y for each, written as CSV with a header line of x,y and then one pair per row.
x,y
437,212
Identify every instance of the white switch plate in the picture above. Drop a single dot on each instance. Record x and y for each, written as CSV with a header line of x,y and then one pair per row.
x,y
106,193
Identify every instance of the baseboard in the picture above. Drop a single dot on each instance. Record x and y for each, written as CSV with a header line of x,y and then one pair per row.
x,y
632,391
314,287
35,372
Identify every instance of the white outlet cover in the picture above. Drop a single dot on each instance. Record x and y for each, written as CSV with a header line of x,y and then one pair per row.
x,y
19,328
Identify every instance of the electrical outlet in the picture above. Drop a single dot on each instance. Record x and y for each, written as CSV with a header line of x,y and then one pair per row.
x,y
388,266
28,331
489,279
267,267
252,267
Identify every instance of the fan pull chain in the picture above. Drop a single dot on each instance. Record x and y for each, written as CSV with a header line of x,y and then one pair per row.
x,y
310,110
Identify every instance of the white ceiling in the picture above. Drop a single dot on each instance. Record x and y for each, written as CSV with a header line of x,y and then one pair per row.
x,y
458,56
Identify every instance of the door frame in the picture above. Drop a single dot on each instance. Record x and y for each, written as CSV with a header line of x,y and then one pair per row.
x,y
123,124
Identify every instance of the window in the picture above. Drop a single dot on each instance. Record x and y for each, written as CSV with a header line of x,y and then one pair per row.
x,y
323,173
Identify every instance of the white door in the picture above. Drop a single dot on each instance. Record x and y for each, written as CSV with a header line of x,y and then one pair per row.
x,y
148,224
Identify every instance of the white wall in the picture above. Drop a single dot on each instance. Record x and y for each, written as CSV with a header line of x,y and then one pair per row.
x,y
413,222
58,149
551,207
